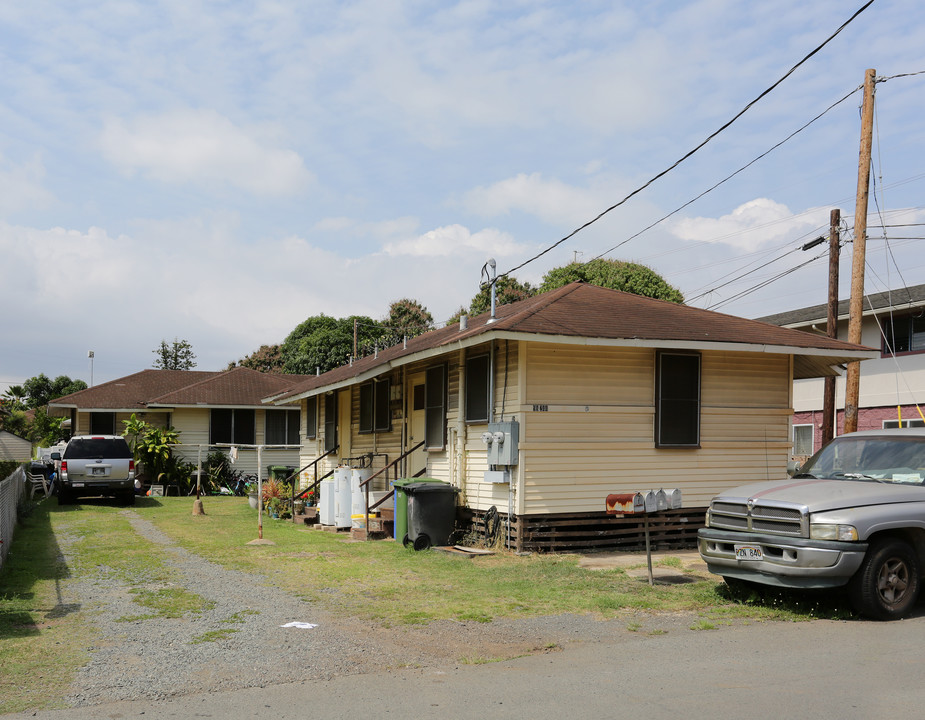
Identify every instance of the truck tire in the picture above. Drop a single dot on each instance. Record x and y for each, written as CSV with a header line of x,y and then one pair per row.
x,y
65,497
886,586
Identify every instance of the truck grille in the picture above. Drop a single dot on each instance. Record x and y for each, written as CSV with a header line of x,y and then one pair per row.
x,y
771,519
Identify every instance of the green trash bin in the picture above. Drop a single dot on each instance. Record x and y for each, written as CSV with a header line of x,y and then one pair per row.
x,y
280,472
400,526
431,514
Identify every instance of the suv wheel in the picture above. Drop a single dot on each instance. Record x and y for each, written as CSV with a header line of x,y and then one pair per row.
x,y
886,586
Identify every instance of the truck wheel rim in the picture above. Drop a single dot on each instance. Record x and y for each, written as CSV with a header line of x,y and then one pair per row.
x,y
893,581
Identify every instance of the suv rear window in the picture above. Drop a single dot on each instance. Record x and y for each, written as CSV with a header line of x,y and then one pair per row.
x,y
91,448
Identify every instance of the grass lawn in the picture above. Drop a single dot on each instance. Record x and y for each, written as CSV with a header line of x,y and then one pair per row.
x,y
45,632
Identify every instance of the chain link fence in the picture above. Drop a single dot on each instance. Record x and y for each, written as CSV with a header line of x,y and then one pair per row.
x,y
11,492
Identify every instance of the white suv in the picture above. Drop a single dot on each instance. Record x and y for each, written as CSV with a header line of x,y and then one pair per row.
x,y
94,465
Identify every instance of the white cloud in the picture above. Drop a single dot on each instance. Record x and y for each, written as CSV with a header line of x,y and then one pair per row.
x,y
21,186
550,200
455,240
201,146
751,225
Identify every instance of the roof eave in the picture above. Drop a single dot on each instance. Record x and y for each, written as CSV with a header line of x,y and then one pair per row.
x,y
834,356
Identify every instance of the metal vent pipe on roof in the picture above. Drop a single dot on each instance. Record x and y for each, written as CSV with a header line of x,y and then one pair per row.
x,y
492,281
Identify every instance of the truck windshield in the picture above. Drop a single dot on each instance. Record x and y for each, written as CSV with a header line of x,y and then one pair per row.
x,y
92,448
882,459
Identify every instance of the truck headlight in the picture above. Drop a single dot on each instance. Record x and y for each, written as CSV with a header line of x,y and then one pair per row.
x,y
830,531
706,520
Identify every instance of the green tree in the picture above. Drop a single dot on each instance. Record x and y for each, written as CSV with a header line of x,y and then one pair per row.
x,y
408,318
615,274
15,398
268,359
508,290
39,390
178,355
325,343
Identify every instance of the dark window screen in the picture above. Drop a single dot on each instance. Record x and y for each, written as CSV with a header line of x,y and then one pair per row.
x,y
477,385
677,409
435,407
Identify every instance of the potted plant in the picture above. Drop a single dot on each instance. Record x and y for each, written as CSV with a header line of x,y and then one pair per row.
x,y
251,490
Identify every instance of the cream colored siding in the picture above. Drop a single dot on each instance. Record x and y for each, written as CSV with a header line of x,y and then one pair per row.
x,y
578,375
587,417
582,445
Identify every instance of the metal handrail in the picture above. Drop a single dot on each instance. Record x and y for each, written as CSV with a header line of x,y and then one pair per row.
x,y
394,464
315,484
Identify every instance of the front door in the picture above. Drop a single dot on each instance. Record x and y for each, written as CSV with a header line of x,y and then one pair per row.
x,y
417,461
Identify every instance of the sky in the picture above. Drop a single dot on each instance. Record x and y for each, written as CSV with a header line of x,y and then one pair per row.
x,y
218,171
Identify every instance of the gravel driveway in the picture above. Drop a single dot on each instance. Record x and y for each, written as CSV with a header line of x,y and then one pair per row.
x,y
156,658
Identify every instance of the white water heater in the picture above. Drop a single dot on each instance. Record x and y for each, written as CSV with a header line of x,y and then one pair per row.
x,y
357,493
326,503
342,495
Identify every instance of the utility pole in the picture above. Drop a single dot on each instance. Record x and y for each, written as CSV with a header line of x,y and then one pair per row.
x,y
856,308
831,325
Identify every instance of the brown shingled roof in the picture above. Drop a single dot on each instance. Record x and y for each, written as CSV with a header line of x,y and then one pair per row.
x,y
132,391
167,388
579,310
238,386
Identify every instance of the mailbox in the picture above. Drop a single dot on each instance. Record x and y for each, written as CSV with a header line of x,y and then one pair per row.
x,y
625,503
651,501
661,500
674,498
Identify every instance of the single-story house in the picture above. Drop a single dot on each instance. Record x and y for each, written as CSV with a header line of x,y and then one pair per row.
x,y
892,385
594,392
209,409
13,447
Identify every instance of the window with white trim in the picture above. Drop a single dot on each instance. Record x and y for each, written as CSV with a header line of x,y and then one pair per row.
x,y
803,440
282,427
894,424
232,426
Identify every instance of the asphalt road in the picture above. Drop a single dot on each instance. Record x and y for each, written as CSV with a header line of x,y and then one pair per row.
x,y
819,669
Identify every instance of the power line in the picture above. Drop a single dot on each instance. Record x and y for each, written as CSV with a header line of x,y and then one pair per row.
x,y
729,177
698,147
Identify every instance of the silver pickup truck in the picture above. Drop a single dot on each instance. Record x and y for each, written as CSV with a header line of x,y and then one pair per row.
x,y
96,465
853,515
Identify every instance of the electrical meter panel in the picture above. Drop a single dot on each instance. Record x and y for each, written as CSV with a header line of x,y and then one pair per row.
x,y
502,439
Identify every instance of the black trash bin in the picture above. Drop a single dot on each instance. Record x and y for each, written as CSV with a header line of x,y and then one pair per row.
x,y
431,514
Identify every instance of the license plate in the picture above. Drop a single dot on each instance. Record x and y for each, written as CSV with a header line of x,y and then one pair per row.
x,y
748,552
97,471
77,484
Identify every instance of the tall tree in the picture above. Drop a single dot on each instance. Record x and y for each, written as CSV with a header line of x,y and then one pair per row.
x,y
29,418
178,355
324,343
39,390
268,359
615,274
407,318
